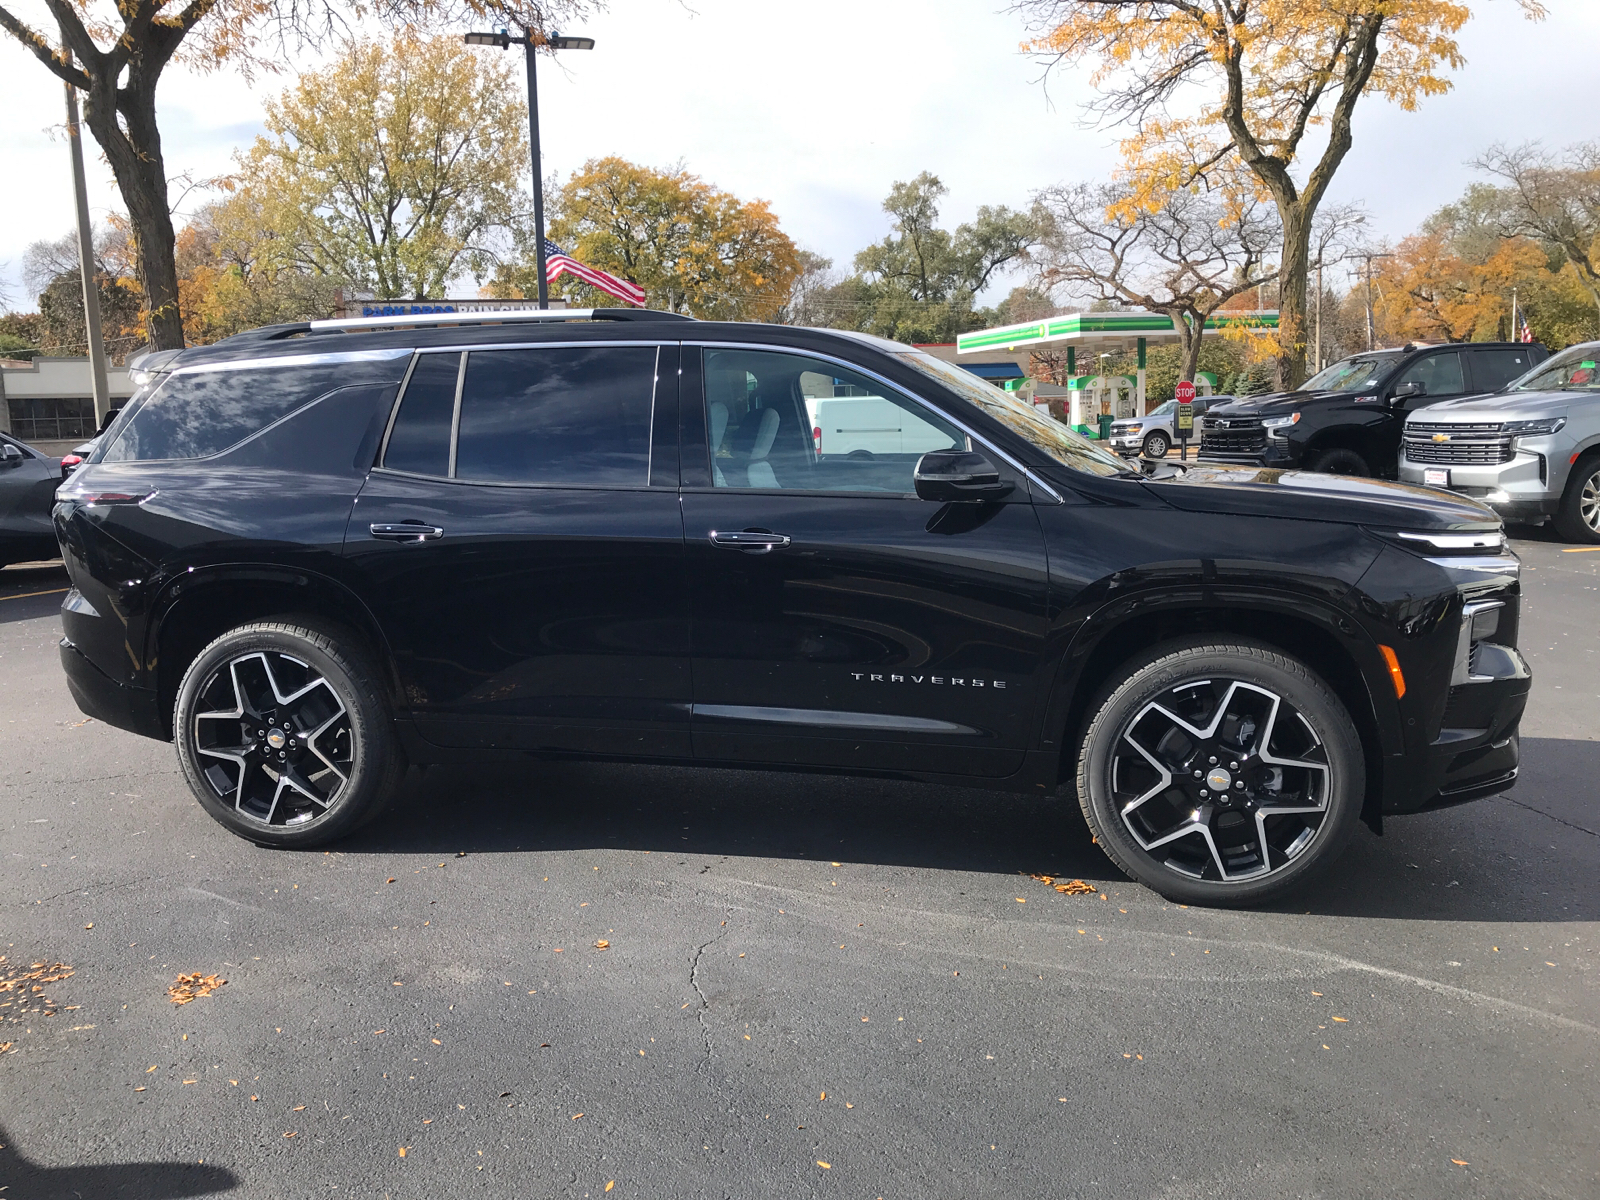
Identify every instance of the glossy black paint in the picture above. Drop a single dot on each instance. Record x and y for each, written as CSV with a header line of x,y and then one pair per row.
x,y
1369,422
28,482
604,622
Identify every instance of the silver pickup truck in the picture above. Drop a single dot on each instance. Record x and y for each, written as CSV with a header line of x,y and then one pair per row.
x,y
1531,451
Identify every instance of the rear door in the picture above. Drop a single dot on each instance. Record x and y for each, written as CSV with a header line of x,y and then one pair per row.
x,y
521,545
837,619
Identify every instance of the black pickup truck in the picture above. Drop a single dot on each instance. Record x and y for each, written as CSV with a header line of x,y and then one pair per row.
x,y
1348,418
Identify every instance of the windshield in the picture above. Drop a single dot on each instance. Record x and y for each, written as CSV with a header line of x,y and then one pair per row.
x,y
1573,370
1353,374
1171,406
1046,434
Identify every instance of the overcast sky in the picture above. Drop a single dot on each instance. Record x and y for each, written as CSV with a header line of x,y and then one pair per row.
x,y
820,108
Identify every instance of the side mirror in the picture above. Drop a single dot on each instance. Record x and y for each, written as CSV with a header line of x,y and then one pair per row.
x,y
958,477
9,454
1409,391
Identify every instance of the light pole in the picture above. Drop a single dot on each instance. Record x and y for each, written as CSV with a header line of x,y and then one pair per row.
x,y
530,43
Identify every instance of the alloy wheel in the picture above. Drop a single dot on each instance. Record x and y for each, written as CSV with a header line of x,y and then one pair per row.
x,y
276,738
1589,502
1221,780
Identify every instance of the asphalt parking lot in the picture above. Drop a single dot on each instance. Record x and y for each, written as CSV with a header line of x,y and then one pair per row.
x,y
589,980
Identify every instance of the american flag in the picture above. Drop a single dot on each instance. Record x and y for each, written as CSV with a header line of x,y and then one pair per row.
x,y
557,261
1525,334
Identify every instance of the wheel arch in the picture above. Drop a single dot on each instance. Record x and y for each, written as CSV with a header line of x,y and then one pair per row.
x,y
203,604
1325,640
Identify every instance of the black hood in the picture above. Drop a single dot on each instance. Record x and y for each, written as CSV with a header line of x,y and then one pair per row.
x,y
1253,406
1314,496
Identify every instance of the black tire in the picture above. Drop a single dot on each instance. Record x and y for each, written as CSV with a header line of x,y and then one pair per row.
x,y
1578,517
312,701
1134,814
1339,461
1157,444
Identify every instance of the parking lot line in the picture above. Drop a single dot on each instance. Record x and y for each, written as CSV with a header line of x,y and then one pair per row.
x,y
25,595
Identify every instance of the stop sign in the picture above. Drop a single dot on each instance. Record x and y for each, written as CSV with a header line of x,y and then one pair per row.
x,y
1186,392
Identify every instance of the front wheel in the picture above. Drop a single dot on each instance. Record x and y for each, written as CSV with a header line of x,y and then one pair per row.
x,y
284,734
1578,517
1340,461
1220,773
1157,445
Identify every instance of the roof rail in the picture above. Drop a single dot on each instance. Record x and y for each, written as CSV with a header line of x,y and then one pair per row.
x,y
495,317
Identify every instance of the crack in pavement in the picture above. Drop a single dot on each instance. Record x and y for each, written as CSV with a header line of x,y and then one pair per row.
x,y
1551,816
705,1001
94,887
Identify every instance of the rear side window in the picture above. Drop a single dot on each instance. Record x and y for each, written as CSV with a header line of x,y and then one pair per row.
x,y
569,415
1493,369
193,415
420,440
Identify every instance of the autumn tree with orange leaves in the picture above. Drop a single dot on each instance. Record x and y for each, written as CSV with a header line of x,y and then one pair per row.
x,y
1209,86
115,54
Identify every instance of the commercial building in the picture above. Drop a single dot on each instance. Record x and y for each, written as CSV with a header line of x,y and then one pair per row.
x,y
51,400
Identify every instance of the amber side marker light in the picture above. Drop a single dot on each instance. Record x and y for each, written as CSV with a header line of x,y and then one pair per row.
x,y
1394,671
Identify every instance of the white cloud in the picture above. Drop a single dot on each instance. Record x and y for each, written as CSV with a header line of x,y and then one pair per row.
x,y
819,109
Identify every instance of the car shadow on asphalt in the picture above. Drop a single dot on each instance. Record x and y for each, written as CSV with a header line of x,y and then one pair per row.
x,y
30,590
115,1181
1442,866
734,813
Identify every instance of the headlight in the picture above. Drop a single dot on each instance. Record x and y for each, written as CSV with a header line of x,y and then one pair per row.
x,y
1274,424
1541,428
1134,428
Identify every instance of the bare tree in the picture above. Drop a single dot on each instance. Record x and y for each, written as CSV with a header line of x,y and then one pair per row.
x,y
1552,199
1185,260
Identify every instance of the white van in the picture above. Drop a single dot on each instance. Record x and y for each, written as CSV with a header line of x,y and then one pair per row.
x,y
842,425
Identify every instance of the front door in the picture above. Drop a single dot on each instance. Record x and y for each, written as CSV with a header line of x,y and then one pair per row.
x,y
837,620
521,546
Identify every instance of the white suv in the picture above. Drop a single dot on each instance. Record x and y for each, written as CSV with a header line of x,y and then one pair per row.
x,y
1530,452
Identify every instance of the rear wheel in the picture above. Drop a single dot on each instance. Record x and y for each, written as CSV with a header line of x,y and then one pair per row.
x,y
1220,773
1340,461
1157,445
1578,517
284,734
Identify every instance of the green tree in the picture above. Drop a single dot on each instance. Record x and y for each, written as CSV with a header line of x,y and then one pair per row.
x,y
393,168
919,283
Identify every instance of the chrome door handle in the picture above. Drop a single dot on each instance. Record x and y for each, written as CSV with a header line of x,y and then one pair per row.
x,y
751,542
407,532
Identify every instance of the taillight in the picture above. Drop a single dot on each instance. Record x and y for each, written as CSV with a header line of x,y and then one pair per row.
x,y
70,461
816,436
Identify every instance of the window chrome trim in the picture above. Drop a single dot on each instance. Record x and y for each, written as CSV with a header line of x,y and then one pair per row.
x,y
455,416
331,358
801,352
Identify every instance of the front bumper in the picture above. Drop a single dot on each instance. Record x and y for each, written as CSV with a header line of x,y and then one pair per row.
x,y
103,698
1476,752
1276,455
1520,491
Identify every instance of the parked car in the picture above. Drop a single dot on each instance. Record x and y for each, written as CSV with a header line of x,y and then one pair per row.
x,y
1531,452
1347,419
316,553
1153,434
870,426
28,482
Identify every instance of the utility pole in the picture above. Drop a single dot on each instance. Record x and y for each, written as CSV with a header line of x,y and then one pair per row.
x,y
1371,333
1317,357
91,288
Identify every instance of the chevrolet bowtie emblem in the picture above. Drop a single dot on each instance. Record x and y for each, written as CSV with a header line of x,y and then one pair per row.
x,y
1441,437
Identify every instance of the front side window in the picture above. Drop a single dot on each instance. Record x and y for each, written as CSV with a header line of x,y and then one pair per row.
x,y
1574,370
1440,374
567,416
786,421
1058,442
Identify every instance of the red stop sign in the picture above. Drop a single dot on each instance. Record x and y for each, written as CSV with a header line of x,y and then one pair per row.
x,y
1186,392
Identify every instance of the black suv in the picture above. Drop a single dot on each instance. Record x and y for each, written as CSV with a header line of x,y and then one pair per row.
x,y
1348,418
313,554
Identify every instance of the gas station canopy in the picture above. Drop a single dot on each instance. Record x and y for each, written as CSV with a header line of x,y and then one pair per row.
x,y
1101,332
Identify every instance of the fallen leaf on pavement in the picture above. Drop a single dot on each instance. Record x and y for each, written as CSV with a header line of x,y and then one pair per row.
x,y
602,944
824,1166
192,987
1458,1162
575,1116
1077,887
402,1148
611,1184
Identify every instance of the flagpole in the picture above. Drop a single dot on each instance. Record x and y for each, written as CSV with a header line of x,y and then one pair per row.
x,y
1516,335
